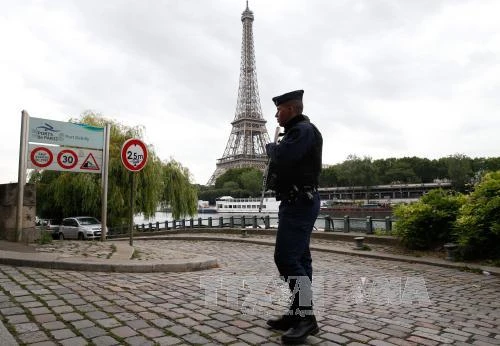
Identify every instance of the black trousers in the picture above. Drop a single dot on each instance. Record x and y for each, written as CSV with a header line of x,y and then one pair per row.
x,y
292,254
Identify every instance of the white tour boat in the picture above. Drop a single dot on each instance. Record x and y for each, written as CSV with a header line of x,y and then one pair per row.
x,y
228,204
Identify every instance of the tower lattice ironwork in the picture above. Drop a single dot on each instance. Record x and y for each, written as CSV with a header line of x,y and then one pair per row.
x,y
246,146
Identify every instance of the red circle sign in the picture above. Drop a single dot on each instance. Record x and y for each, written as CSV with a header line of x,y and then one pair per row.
x,y
134,154
67,159
41,157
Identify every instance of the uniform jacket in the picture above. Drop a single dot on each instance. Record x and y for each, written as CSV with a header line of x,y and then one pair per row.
x,y
296,159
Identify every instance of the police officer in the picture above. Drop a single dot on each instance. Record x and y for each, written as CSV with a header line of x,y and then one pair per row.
x,y
296,165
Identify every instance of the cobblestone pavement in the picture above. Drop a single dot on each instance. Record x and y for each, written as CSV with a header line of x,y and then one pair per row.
x,y
359,301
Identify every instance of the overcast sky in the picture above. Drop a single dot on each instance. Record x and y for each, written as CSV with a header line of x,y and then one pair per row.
x,y
389,78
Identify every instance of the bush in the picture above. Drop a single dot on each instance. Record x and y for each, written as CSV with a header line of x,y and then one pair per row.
x,y
428,223
478,223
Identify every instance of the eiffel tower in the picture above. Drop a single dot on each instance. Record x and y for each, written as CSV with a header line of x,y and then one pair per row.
x,y
246,146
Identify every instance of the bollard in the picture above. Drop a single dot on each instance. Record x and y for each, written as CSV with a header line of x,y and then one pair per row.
x,y
244,233
157,226
150,226
267,222
221,221
254,221
328,219
388,224
359,243
210,222
369,225
199,222
183,223
451,251
231,222
137,228
347,224
166,225
174,224
191,223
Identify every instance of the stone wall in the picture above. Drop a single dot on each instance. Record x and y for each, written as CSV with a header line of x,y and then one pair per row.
x,y
8,207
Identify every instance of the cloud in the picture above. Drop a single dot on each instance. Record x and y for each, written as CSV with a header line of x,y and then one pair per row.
x,y
381,78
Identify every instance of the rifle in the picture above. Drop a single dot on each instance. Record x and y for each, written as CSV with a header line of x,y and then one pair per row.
x,y
266,171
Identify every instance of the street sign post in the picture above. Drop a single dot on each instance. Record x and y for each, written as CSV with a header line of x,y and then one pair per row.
x,y
134,156
47,144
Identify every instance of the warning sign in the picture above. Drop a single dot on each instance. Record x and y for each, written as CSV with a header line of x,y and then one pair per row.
x,y
64,159
90,163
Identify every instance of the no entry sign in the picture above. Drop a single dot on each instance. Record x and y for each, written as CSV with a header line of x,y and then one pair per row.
x,y
134,154
41,157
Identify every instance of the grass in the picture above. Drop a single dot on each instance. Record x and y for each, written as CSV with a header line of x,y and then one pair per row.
x,y
45,238
113,250
136,254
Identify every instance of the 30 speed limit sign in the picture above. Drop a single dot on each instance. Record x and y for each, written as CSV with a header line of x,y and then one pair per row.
x,y
67,159
134,154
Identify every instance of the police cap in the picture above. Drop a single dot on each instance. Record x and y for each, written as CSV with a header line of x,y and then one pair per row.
x,y
292,95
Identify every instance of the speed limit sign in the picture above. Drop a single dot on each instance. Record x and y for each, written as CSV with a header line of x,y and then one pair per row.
x,y
67,159
134,154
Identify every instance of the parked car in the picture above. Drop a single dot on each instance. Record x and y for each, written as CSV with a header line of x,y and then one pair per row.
x,y
50,226
80,227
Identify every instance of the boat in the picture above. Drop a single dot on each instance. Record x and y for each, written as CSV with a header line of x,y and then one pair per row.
x,y
376,210
205,208
228,204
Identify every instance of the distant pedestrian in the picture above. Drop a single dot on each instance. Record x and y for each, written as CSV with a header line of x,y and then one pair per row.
x,y
296,162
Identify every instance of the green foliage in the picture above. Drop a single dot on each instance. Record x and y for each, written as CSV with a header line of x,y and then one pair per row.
x,y
458,168
178,191
45,238
478,223
429,222
63,194
236,182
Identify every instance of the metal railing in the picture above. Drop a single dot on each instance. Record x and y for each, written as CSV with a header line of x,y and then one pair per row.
x,y
368,225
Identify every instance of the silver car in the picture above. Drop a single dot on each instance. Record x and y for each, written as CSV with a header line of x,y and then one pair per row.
x,y
80,227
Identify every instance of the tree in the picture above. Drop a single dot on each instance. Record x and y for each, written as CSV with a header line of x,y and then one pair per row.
x,y
328,176
459,170
178,192
62,194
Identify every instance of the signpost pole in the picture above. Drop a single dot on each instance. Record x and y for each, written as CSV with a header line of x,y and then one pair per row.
x,y
21,176
132,198
104,183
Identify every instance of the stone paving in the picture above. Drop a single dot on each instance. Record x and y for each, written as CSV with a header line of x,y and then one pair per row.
x,y
359,301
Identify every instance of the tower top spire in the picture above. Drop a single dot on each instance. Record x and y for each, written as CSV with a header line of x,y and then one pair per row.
x,y
247,14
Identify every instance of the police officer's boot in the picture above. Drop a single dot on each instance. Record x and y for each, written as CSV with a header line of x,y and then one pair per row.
x,y
305,326
287,320
283,322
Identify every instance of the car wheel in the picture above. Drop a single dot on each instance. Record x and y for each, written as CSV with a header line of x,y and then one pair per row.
x,y
61,236
80,236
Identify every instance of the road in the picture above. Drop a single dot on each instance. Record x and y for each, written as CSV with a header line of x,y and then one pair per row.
x,y
359,301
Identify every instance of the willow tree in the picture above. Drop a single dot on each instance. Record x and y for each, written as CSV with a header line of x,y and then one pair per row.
x,y
62,194
178,192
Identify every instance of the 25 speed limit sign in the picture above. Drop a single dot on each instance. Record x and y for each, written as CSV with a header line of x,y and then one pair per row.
x,y
134,154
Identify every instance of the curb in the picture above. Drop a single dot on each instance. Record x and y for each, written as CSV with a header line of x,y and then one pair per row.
x,y
50,261
330,249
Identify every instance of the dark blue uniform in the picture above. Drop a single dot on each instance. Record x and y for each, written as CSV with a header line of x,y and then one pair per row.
x,y
296,164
